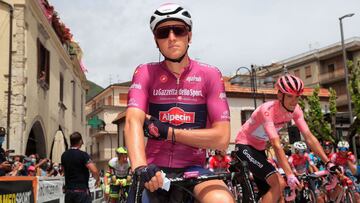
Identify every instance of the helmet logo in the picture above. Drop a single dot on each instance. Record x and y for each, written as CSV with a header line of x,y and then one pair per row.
x,y
176,116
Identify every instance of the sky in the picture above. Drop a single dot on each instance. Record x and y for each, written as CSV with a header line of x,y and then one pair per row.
x,y
115,35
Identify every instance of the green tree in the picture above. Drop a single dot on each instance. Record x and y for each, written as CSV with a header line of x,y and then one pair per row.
x,y
354,88
333,111
315,118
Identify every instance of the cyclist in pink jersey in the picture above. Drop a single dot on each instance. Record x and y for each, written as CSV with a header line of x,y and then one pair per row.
x,y
263,126
180,104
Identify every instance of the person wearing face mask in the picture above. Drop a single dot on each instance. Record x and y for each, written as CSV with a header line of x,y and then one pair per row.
x,y
5,166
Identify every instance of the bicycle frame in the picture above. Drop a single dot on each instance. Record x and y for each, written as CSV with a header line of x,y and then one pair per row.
x,y
239,175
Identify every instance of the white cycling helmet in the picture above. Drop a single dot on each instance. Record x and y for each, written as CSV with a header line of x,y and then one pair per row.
x,y
170,11
300,145
343,144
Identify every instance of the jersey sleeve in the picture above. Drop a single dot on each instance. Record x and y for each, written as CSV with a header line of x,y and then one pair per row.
x,y
268,122
138,92
300,121
86,158
217,106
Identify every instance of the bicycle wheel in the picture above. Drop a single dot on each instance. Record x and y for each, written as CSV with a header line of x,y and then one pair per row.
x,y
310,196
349,196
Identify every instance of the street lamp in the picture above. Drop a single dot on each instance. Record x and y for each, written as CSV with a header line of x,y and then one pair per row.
x,y
345,66
237,80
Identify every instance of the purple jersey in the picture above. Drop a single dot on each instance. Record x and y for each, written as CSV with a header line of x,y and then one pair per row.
x,y
195,100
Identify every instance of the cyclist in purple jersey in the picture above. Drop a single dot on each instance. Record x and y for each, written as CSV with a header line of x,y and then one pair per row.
x,y
182,105
263,126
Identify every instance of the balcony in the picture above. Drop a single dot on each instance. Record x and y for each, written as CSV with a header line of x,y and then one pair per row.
x,y
341,100
329,77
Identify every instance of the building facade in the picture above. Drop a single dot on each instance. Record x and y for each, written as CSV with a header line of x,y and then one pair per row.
x,y
324,67
106,106
47,84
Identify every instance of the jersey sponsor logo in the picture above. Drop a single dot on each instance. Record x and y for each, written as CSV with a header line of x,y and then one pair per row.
x,y
251,159
177,116
222,95
163,78
225,115
175,92
193,79
135,86
132,102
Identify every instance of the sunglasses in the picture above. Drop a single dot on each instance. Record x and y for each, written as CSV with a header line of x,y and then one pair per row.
x,y
178,30
343,149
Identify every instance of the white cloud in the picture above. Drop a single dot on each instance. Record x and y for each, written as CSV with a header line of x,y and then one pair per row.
x,y
115,34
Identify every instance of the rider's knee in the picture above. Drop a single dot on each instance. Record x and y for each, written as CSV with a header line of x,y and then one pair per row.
x,y
219,197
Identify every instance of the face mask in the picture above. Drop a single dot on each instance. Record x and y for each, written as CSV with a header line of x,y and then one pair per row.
x,y
56,168
2,139
33,160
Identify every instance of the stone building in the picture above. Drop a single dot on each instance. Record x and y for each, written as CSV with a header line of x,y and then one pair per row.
x,y
47,82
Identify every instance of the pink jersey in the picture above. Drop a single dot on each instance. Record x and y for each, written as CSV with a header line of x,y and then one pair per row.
x,y
193,101
265,123
337,159
300,163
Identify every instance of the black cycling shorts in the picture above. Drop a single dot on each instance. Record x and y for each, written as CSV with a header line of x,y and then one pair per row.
x,y
258,165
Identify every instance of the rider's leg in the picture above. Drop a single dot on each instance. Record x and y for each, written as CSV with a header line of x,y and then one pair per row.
x,y
213,191
276,188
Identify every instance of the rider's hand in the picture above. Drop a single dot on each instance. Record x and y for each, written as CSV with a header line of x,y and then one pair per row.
x,y
332,168
150,176
293,182
155,129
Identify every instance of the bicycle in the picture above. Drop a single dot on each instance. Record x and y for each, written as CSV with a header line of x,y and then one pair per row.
x,y
331,181
118,189
307,194
238,176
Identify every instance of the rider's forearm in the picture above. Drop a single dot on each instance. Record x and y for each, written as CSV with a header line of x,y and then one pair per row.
x,y
216,137
283,162
134,137
315,146
352,167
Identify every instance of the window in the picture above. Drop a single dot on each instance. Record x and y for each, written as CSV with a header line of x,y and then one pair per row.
x,y
331,68
308,71
61,88
110,100
245,115
297,73
43,65
73,95
123,99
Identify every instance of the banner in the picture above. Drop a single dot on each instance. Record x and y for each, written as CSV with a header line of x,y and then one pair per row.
x,y
18,189
51,189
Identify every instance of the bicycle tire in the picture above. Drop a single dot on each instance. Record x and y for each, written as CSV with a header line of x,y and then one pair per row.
x,y
349,196
311,197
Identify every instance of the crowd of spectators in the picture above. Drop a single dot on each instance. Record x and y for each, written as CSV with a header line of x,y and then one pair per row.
x,y
32,165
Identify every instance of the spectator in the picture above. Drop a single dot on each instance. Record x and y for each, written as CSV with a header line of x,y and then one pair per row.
x,y
5,166
76,165
31,171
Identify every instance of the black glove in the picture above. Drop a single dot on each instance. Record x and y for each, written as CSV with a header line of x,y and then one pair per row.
x,y
155,129
145,173
332,168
